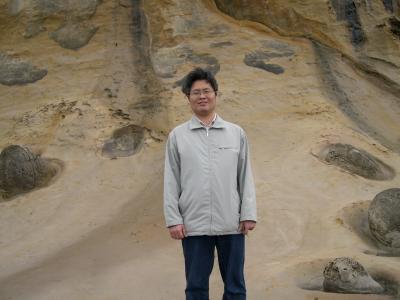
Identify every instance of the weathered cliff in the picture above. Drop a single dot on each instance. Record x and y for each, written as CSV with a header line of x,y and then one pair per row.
x,y
90,90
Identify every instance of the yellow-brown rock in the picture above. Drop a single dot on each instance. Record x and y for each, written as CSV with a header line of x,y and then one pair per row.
x,y
289,74
331,23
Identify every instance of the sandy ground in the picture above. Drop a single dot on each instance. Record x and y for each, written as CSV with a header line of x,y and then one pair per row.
x,y
98,231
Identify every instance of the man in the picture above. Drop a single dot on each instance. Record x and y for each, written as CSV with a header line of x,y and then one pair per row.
x,y
209,194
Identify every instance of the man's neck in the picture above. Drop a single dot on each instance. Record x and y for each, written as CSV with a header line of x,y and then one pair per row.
x,y
207,120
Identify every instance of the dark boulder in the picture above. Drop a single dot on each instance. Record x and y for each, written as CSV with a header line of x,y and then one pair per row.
x,y
21,170
384,217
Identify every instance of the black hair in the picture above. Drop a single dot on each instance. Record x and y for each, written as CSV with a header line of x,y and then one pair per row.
x,y
198,74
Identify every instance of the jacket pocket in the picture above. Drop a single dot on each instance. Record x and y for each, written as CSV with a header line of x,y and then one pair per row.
x,y
227,159
228,148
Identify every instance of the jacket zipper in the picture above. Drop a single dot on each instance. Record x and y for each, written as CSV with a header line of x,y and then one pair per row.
x,y
209,165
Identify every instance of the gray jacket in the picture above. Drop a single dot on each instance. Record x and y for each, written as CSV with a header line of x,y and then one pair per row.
x,y
208,183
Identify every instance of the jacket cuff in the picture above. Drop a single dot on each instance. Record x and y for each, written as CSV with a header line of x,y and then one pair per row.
x,y
173,223
248,218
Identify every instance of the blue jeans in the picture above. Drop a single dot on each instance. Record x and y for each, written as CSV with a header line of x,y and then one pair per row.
x,y
199,262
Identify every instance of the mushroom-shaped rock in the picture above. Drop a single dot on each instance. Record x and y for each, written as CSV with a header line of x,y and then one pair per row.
x,y
384,217
21,170
356,161
125,141
345,275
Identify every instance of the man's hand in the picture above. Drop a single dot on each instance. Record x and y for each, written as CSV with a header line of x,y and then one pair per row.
x,y
245,226
177,232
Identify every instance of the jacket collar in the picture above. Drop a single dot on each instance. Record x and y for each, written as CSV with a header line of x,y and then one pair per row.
x,y
194,123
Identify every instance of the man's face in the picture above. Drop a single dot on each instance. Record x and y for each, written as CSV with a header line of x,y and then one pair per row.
x,y
202,98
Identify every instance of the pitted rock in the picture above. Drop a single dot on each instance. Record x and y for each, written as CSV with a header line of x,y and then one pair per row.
x,y
345,275
356,161
21,170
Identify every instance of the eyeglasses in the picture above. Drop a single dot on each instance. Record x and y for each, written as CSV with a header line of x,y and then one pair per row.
x,y
197,93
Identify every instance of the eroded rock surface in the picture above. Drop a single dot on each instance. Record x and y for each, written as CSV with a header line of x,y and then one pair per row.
x,y
168,60
119,83
74,35
345,275
388,5
256,60
395,26
17,72
357,31
384,217
270,50
356,161
148,107
46,8
347,10
21,170
221,44
125,141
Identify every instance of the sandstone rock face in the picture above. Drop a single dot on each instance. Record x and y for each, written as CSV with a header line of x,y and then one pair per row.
x,y
384,217
21,170
388,5
35,12
361,30
347,10
129,74
125,141
392,6
356,161
351,99
168,60
18,72
345,275
46,8
360,34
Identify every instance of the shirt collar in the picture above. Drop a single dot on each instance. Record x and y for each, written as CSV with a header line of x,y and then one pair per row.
x,y
211,123
218,122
